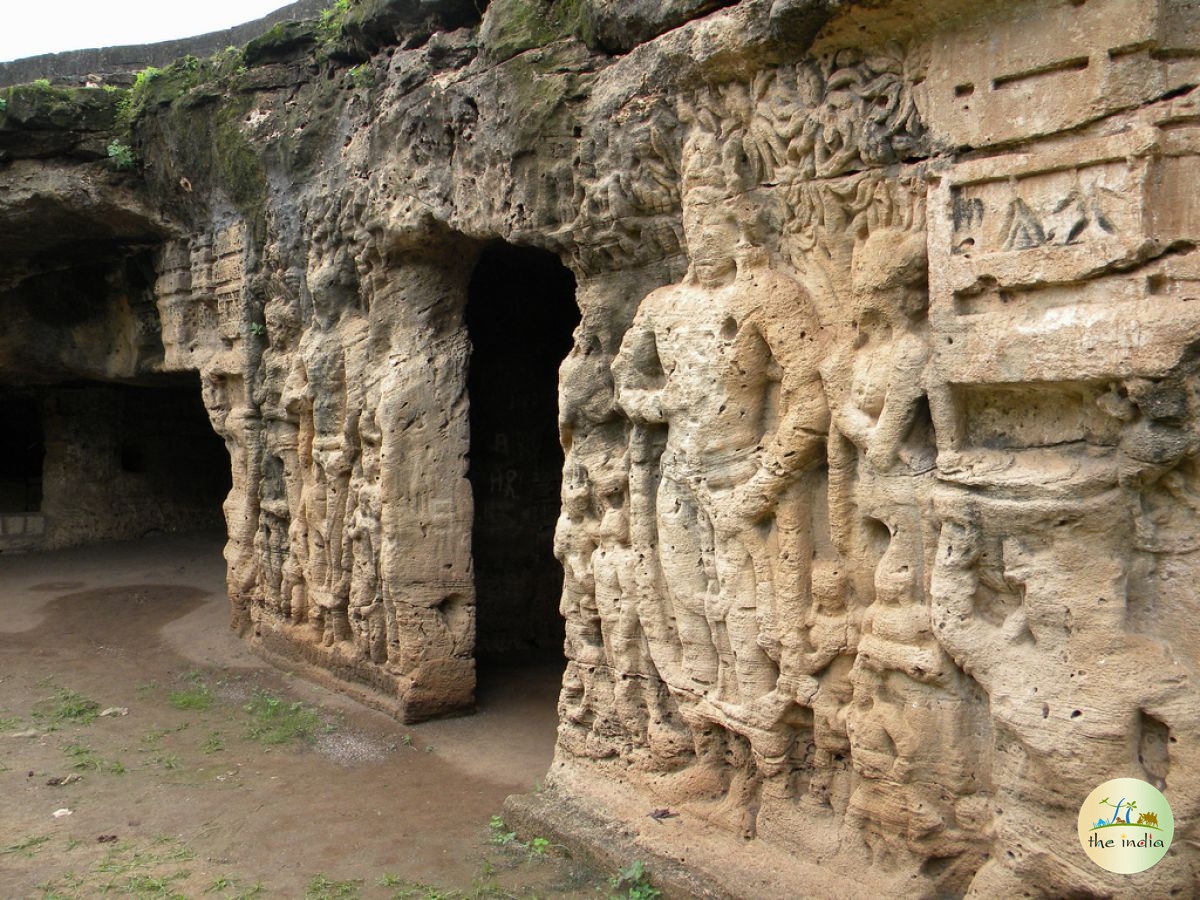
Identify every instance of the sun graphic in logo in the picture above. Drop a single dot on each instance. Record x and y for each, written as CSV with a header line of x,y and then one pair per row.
x,y
1111,836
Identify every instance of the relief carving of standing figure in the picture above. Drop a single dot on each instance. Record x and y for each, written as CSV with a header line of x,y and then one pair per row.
x,y
727,363
905,722
881,448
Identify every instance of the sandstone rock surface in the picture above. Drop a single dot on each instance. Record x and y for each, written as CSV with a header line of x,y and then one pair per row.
x,y
879,499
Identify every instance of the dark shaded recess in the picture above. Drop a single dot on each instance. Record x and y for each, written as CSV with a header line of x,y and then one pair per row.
x,y
48,232
165,438
104,286
155,433
376,24
22,450
520,313
618,26
67,297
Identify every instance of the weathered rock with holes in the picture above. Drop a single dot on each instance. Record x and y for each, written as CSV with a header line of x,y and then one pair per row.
x,y
880,424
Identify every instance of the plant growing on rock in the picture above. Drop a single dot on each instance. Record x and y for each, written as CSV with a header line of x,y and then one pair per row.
x,y
332,18
121,155
500,833
635,883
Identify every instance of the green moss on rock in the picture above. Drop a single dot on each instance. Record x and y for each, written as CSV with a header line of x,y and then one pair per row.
x,y
514,26
282,41
40,106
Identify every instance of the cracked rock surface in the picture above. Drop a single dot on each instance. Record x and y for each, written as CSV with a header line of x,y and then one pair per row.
x,y
879,420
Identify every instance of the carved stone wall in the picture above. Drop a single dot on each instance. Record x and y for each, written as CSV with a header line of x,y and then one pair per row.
x,y
878,513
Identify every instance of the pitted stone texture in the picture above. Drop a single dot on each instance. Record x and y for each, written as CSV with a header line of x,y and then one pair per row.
x,y
879,500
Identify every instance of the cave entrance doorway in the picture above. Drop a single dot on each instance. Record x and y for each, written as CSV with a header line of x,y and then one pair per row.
x,y
520,315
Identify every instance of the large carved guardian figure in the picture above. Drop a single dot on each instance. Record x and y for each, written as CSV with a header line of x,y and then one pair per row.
x,y
726,364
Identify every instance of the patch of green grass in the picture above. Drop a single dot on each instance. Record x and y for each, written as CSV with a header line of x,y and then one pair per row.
x,y
214,743
125,858
219,884
153,887
152,739
321,887
225,886
274,722
361,76
417,891
197,695
66,707
26,846
68,881
166,760
86,759
179,852
538,847
332,18
10,723
128,870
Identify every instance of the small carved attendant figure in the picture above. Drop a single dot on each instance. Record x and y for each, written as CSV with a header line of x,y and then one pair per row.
x,y
575,540
882,457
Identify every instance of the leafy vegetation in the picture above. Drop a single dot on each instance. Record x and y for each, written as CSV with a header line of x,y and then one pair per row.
x,y
166,760
333,17
121,154
634,882
361,75
500,833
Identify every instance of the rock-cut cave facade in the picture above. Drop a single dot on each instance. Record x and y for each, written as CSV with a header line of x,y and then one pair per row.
x,y
874,480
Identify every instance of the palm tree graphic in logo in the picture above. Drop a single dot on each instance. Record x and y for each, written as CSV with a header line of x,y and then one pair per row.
x,y
1146,819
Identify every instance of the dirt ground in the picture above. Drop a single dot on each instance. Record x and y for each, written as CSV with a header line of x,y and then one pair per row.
x,y
228,778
